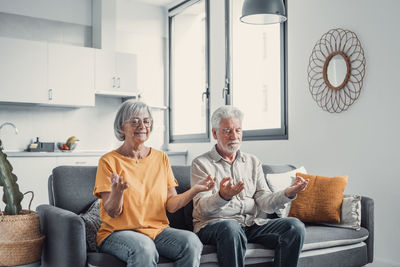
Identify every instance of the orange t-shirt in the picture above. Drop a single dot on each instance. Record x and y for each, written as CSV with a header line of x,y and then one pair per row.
x,y
144,202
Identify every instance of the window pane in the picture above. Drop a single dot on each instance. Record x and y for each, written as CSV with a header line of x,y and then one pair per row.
x,y
256,71
188,70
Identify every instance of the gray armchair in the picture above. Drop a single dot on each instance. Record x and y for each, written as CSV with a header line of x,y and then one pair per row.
x,y
70,192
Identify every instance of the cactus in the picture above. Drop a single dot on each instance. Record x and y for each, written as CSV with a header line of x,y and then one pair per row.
x,y
12,197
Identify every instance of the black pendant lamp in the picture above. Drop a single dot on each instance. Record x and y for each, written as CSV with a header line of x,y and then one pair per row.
x,y
263,12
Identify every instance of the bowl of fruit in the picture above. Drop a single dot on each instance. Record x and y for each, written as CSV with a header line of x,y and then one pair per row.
x,y
69,145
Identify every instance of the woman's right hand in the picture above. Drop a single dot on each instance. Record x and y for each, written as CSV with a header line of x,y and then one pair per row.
x,y
118,185
113,201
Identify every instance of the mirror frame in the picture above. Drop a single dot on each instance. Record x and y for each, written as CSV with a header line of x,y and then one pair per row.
x,y
345,43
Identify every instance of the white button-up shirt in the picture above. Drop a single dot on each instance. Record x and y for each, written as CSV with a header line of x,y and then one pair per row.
x,y
249,206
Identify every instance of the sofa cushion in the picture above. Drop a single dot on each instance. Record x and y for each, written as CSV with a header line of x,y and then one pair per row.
x,y
72,188
350,255
321,200
97,259
182,175
317,237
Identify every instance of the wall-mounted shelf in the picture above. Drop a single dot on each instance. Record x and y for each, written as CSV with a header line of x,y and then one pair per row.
x,y
121,94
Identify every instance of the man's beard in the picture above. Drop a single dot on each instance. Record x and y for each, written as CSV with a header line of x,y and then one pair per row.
x,y
231,147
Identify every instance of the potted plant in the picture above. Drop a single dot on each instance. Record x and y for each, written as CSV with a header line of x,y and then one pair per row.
x,y
20,238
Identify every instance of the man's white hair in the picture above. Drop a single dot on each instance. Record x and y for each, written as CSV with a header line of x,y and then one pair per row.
x,y
225,112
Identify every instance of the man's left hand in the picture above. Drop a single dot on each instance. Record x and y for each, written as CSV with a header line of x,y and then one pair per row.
x,y
299,185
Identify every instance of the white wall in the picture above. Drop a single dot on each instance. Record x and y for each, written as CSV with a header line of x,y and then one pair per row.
x,y
361,142
141,30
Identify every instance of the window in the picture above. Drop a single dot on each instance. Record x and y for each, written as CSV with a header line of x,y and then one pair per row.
x,y
188,72
256,80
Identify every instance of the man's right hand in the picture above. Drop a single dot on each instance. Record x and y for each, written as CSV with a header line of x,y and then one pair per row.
x,y
227,190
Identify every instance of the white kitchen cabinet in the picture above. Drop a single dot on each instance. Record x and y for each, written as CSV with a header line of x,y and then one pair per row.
x,y
115,72
126,69
44,73
23,71
71,75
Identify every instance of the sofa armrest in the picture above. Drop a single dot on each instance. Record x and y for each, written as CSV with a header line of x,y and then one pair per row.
x,y
65,243
367,221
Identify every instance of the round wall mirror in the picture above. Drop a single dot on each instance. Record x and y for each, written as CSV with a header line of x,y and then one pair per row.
x,y
336,70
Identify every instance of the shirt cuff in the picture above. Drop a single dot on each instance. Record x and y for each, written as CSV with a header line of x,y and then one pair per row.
x,y
217,201
288,198
223,198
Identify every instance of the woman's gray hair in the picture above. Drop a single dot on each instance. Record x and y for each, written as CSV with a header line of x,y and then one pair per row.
x,y
225,112
128,110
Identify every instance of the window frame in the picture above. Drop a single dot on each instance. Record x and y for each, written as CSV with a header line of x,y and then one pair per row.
x,y
262,134
199,137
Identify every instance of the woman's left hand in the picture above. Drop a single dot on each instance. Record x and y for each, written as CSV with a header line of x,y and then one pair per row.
x,y
205,184
175,201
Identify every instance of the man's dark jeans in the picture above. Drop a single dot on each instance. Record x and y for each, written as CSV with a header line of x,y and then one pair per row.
x,y
285,235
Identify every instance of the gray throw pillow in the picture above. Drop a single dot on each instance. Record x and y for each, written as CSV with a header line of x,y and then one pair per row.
x,y
92,221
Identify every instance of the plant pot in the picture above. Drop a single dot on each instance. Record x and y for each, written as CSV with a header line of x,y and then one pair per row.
x,y
20,238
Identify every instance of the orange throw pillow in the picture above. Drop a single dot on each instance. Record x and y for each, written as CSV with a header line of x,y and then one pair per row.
x,y
321,201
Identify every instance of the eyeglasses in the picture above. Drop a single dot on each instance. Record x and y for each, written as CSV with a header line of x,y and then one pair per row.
x,y
135,122
229,131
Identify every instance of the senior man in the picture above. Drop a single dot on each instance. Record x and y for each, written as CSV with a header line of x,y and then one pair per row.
x,y
234,212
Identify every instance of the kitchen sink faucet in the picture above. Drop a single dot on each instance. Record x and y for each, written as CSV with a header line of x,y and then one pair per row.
x,y
4,124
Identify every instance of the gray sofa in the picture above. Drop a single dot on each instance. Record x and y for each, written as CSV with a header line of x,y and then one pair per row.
x,y
70,193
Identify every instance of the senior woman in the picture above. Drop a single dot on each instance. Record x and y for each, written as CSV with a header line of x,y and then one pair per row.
x,y
136,186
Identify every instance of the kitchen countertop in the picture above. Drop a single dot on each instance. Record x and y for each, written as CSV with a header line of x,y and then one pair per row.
x,y
77,153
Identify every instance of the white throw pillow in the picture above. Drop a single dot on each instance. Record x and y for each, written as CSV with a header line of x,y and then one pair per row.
x,y
350,216
280,181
